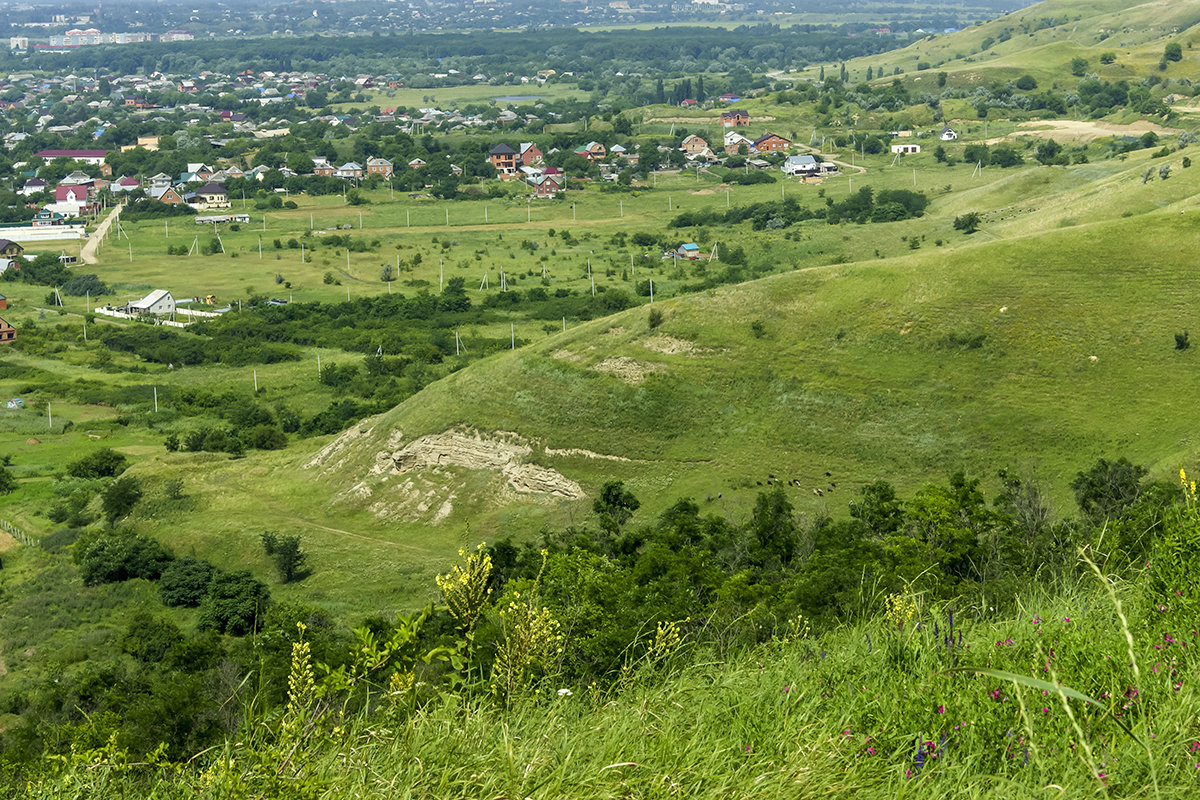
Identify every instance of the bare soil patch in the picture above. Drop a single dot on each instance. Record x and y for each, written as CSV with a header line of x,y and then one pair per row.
x,y
629,370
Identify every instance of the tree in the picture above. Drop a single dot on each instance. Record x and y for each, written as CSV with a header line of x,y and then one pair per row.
x,y
1079,66
234,603
616,502
1173,52
7,481
1108,57
1049,152
120,497
968,223
1108,487
290,560
104,463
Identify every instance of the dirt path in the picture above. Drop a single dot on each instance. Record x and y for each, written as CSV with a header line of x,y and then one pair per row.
x,y
88,254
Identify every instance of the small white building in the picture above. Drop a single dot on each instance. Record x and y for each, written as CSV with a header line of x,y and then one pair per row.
x,y
159,301
906,149
948,134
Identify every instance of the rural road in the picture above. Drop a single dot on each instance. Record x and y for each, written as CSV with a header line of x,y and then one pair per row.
x,y
88,254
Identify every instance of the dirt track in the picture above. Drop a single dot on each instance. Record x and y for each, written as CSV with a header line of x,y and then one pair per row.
x,y
88,253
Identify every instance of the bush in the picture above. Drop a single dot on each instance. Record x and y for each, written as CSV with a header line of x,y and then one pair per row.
x,y
1181,341
968,223
234,603
105,463
120,497
185,582
105,557
656,318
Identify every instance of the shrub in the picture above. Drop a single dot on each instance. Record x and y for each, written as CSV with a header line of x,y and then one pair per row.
x,y
104,463
234,603
656,318
111,557
185,582
1181,341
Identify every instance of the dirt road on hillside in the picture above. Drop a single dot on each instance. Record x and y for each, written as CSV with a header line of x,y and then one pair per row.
x,y
88,254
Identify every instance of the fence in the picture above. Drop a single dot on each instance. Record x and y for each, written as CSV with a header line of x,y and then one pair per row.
x,y
17,533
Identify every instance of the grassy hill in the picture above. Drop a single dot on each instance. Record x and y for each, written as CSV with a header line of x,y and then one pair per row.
x,y
1042,39
1042,343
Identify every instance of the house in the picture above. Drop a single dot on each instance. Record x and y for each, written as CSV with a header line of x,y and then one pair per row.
x,y
160,181
530,154
159,301
689,251
125,185
729,98
3,302
948,134
166,194
351,169
456,170
693,145
322,167
735,119
688,103
379,166
71,200
504,159
7,331
93,157
10,249
416,163
33,186
737,144
546,185
770,143
46,218
595,151
906,149
212,195
803,165
78,178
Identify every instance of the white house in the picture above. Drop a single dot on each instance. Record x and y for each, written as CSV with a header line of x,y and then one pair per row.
x,y
948,134
159,301
906,149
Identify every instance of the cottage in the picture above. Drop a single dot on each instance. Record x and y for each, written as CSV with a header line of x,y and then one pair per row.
x,y
160,181
596,151
688,103
167,194
159,301
416,163
504,159
7,331
803,165
735,119
322,168
45,218
351,169
125,185
948,134
770,143
906,149
33,186
379,166
693,145
212,195
10,249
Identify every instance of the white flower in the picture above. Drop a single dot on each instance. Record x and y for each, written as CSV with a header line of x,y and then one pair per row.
x,y
564,692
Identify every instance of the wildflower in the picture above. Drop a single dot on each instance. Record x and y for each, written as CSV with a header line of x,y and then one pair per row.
x,y
786,689
941,710
564,692
1037,620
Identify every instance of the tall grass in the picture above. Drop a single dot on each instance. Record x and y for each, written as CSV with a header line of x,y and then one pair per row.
x,y
891,707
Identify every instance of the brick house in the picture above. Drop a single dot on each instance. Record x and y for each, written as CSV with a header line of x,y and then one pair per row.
x,y
530,154
379,166
693,145
7,331
504,159
770,143
735,119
